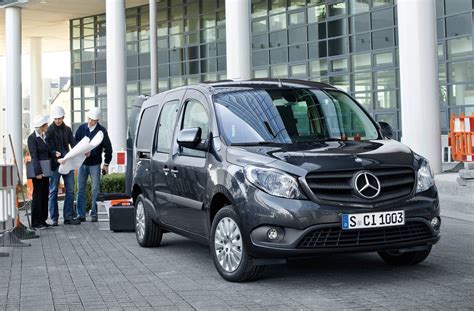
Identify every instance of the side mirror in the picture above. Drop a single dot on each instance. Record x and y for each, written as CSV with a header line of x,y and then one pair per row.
x,y
386,129
190,137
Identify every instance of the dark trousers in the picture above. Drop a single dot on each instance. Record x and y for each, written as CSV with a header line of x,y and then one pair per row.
x,y
39,205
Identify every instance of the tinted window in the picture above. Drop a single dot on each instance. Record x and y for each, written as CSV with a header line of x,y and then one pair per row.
x,y
195,115
290,116
166,125
145,132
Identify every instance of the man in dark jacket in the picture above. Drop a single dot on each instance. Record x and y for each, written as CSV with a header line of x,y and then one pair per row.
x,y
59,138
91,165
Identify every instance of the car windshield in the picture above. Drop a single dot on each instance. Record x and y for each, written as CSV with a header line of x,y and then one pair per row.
x,y
286,116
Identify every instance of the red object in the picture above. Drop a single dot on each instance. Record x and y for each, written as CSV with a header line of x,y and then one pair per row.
x,y
122,202
357,137
4,176
461,138
121,158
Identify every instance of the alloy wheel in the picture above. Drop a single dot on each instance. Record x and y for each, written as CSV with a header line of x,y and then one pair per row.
x,y
140,221
228,244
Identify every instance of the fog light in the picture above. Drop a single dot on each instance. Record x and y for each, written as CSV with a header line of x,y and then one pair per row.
x,y
436,223
272,234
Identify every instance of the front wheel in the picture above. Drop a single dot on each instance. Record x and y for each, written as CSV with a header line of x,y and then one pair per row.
x,y
228,248
404,259
147,231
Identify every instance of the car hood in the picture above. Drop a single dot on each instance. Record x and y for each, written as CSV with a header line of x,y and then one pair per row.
x,y
300,158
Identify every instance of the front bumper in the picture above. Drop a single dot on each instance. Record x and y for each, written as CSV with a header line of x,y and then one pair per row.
x,y
310,228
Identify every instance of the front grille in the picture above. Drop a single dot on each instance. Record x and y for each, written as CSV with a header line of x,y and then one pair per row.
x,y
337,185
336,237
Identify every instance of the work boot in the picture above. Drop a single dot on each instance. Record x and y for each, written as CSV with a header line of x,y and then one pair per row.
x,y
72,222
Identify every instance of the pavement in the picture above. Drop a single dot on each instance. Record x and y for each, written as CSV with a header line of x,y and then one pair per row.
x,y
456,201
83,268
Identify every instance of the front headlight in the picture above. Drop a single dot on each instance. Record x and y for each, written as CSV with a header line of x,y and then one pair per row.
x,y
273,182
425,178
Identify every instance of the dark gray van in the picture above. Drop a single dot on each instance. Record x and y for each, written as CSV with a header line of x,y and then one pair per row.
x,y
265,170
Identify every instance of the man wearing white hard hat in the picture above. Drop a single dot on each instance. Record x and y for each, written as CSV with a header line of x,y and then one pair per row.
x,y
91,165
60,139
40,166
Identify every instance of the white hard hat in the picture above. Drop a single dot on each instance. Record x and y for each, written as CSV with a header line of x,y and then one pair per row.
x,y
57,112
94,113
40,120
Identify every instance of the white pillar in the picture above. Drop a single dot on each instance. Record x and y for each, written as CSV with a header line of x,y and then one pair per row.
x,y
460,71
420,110
238,35
116,82
153,49
36,79
13,81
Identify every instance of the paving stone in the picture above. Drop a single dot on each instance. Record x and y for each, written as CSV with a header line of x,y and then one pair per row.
x,y
82,268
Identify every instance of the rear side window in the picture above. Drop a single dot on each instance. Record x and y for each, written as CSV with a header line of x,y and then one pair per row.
x,y
145,131
166,125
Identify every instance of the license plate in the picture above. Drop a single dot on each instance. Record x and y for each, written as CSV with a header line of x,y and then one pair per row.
x,y
373,220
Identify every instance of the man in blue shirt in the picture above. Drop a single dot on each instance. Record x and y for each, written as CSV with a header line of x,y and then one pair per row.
x,y
91,165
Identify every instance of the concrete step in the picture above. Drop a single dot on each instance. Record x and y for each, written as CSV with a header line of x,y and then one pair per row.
x,y
457,204
454,189
466,174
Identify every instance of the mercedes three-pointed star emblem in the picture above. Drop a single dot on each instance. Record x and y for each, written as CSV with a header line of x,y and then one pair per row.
x,y
367,184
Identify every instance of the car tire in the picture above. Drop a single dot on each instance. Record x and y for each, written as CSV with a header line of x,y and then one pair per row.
x,y
229,244
404,259
148,232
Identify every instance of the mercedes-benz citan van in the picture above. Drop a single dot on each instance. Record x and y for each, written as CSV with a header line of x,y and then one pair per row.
x,y
265,170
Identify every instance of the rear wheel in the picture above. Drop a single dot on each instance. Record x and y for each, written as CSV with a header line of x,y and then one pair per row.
x,y
147,231
395,258
228,248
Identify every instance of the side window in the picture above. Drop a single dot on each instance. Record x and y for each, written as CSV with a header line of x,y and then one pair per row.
x,y
145,131
166,125
195,115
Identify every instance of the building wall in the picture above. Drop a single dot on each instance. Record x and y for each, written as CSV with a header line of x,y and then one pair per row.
x,y
351,44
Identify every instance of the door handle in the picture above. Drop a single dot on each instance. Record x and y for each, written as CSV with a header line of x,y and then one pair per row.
x,y
174,171
143,155
166,170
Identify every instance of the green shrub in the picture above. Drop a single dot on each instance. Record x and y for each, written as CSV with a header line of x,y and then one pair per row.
x,y
110,183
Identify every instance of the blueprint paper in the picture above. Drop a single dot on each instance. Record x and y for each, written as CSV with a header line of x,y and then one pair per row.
x,y
74,158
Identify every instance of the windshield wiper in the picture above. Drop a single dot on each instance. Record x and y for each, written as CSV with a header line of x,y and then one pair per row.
x,y
255,143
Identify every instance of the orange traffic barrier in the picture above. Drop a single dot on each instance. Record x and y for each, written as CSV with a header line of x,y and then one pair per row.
x,y
461,137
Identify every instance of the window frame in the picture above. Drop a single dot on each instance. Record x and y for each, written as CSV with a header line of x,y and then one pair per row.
x,y
178,149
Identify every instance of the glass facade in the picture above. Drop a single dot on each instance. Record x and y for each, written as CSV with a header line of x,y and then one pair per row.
x,y
351,44
456,58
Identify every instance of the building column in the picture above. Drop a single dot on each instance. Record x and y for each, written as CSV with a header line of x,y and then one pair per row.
x,y
116,81
460,71
13,83
419,79
153,49
238,34
36,79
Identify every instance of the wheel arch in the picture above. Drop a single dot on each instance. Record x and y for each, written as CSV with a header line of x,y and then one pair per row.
x,y
220,198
